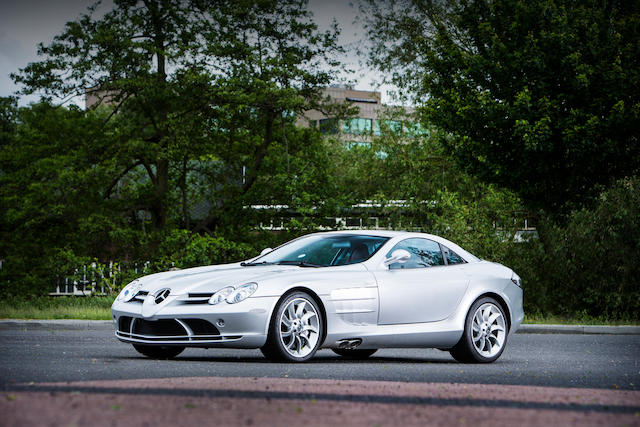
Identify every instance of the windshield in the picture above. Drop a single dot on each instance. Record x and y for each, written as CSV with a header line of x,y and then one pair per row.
x,y
324,251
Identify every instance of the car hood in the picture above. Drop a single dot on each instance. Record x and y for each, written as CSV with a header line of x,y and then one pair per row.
x,y
213,278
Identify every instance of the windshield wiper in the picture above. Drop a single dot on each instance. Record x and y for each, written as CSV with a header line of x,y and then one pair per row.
x,y
251,264
301,263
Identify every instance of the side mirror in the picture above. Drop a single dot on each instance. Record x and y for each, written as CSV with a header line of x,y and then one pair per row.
x,y
265,251
398,256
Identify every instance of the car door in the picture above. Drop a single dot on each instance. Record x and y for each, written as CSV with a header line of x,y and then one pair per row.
x,y
424,289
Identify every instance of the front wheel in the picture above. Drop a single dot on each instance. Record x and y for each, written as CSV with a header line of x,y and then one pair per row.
x,y
485,333
355,354
158,351
296,329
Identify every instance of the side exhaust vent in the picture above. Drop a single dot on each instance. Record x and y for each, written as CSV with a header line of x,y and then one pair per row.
x,y
349,344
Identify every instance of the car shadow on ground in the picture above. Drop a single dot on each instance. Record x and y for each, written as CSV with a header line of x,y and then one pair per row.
x,y
316,360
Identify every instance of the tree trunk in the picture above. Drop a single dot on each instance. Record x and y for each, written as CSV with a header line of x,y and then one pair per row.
x,y
185,208
159,204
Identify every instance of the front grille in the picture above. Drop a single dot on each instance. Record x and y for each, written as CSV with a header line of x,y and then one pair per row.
x,y
140,296
192,297
200,294
197,298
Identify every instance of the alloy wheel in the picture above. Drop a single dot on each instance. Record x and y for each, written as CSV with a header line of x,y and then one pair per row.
x,y
299,327
488,330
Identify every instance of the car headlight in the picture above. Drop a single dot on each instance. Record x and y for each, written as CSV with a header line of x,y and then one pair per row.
x,y
516,279
241,293
128,292
221,295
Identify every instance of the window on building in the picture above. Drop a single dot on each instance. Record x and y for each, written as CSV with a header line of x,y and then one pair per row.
x,y
416,129
393,126
381,154
328,126
350,145
357,126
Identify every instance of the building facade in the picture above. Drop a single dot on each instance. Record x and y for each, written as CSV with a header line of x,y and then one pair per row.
x,y
372,119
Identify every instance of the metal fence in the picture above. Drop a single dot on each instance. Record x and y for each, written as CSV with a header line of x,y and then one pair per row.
x,y
93,279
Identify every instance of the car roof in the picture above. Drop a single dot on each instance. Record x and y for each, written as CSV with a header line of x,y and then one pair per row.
x,y
382,233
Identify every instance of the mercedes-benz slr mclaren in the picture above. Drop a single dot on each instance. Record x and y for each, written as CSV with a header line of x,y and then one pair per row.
x,y
351,292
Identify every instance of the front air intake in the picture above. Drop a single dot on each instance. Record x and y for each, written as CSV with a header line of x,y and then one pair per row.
x,y
166,327
162,327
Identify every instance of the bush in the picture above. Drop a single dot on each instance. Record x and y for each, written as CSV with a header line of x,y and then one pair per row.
x,y
591,265
184,249
155,252
587,268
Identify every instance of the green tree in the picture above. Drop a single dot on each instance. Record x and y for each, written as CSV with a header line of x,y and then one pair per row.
x,y
198,107
542,96
410,173
187,81
588,266
124,57
267,62
51,164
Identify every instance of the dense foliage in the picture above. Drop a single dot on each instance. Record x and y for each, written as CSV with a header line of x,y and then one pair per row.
x,y
540,96
588,267
420,187
57,214
196,85
196,130
543,98
195,120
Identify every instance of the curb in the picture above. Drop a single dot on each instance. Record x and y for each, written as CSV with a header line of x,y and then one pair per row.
x,y
579,329
102,325
56,324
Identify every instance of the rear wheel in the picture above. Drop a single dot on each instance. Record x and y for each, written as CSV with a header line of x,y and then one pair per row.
x,y
295,330
355,354
485,333
158,351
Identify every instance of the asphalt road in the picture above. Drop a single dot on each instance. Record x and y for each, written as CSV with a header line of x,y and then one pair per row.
x,y
592,361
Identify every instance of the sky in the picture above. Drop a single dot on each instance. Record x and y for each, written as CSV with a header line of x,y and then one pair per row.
x,y
25,23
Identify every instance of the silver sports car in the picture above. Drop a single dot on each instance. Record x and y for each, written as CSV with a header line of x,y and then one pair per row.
x,y
351,291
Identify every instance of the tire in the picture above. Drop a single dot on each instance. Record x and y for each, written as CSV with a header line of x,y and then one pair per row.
x,y
158,351
355,354
296,329
485,333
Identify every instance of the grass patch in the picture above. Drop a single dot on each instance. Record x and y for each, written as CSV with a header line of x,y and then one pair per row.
x,y
580,319
87,308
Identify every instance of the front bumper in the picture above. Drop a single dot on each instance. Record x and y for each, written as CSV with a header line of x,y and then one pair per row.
x,y
242,325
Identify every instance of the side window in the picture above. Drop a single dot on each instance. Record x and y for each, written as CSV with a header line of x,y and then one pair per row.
x,y
424,253
452,257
